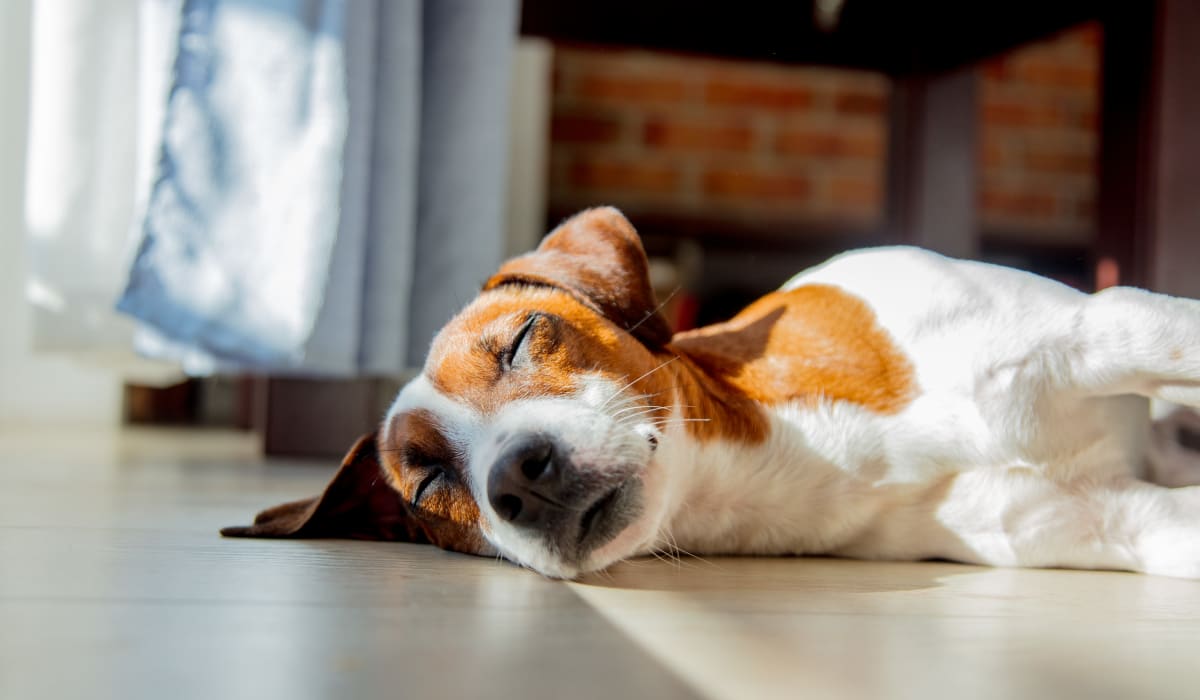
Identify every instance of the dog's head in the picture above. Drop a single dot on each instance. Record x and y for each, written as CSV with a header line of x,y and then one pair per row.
x,y
533,429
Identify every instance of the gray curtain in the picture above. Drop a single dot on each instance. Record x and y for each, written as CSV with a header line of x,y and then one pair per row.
x,y
331,182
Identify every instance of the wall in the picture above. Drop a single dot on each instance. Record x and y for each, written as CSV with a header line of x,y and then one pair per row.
x,y
1038,140
747,142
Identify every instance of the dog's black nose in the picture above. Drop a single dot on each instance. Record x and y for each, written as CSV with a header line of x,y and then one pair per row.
x,y
524,481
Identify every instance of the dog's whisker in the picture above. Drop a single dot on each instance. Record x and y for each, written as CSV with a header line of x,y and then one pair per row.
x,y
666,556
658,308
681,552
639,409
671,548
671,421
653,407
604,573
619,398
633,416
647,374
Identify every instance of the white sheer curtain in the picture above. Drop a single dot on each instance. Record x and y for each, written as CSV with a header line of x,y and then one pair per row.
x,y
34,389
94,75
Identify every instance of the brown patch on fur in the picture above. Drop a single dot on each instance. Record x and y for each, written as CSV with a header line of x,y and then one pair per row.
x,y
810,343
568,341
590,278
361,502
415,446
572,341
714,407
597,257
589,286
1176,354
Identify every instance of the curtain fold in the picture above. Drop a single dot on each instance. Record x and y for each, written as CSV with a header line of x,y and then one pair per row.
x,y
325,178
243,212
463,144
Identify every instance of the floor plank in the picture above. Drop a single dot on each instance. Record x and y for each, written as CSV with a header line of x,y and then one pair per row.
x,y
114,583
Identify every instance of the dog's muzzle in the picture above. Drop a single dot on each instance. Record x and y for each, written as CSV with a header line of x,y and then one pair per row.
x,y
536,486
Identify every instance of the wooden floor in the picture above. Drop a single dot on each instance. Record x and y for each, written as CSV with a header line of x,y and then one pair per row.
x,y
114,584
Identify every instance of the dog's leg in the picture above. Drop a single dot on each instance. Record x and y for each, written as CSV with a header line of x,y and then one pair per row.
x,y
1017,517
1130,341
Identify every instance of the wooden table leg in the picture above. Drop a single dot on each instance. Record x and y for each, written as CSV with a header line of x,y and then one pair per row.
x,y
932,176
1149,213
1175,255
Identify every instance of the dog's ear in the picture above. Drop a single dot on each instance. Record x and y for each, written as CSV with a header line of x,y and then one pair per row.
x,y
597,256
358,504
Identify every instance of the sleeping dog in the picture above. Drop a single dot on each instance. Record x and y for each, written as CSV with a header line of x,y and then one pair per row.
x,y
888,404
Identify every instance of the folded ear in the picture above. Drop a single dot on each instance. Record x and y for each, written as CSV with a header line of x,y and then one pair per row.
x,y
597,256
358,504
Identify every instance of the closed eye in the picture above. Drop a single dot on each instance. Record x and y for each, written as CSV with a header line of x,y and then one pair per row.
x,y
430,479
509,356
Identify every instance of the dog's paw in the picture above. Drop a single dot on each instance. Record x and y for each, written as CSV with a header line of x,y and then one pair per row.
x,y
1169,541
1172,551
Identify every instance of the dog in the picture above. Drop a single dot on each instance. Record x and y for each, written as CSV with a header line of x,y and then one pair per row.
x,y
890,404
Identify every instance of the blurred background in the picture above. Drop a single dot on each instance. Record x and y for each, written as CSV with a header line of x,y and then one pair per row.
x,y
286,199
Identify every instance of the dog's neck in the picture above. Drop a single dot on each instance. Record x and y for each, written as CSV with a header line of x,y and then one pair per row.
x,y
712,488
738,477
712,401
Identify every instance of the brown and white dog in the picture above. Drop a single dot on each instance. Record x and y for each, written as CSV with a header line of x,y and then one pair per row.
x,y
889,404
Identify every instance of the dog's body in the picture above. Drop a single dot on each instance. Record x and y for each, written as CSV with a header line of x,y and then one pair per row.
x,y
889,404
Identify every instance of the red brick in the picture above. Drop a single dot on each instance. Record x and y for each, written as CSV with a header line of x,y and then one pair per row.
x,y
697,135
861,192
584,128
558,78
623,176
751,185
605,88
1089,119
860,104
730,89
1050,71
830,143
1023,113
995,154
1019,203
1059,162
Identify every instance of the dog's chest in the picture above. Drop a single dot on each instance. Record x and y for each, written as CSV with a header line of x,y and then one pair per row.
x,y
819,477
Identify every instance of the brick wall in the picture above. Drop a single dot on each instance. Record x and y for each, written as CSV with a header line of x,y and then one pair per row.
x,y
751,142
1038,138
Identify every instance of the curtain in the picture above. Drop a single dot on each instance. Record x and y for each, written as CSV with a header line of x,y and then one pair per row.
x,y
92,124
301,186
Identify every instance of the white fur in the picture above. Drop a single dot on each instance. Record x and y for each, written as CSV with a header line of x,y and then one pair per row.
x,y
1021,450
1023,447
